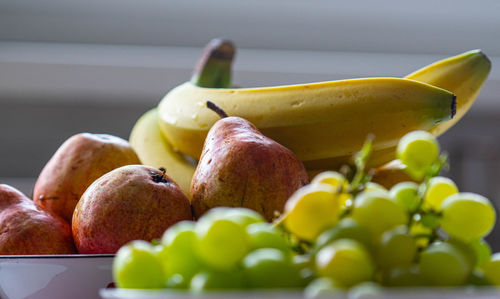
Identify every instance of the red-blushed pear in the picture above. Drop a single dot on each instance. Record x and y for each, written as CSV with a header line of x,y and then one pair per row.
x,y
240,167
75,165
133,202
28,230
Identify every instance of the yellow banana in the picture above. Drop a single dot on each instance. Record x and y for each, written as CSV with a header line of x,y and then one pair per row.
x,y
154,150
463,75
316,121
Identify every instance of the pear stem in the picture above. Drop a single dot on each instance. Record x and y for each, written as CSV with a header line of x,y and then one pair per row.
x,y
215,108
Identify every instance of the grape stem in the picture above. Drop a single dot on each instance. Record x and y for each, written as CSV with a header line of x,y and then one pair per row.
x,y
360,161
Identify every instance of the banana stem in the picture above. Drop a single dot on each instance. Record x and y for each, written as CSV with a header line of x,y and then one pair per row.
x,y
214,107
213,69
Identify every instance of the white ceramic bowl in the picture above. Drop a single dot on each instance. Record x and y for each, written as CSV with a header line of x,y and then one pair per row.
x,y
54,276
408,293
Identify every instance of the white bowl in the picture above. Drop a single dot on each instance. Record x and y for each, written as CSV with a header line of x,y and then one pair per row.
x,y
403,293
54,276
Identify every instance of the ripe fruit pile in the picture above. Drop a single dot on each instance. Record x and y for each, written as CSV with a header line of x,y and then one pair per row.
x,y
336,233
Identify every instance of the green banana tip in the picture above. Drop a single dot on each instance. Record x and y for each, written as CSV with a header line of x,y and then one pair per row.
x,y
213,68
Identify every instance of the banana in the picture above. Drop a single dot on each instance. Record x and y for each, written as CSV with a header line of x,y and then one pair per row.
x,y
154,150
316,121
463,74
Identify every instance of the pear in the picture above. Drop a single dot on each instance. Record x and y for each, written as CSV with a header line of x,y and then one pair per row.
x,y
27,230
240,167
133,202
78,162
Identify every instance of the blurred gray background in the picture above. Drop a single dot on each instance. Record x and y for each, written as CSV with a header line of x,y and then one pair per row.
x,y
73,66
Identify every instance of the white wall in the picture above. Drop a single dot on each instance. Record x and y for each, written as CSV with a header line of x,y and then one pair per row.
x,y
395,26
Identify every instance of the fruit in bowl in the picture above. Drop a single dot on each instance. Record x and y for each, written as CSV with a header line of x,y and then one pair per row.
x,y
26,229
78,162
240,167
130,202
339,232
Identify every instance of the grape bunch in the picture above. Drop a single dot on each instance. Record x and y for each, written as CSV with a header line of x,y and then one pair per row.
x,y
415,234
227,248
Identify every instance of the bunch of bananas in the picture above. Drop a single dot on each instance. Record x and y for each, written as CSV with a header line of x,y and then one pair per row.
x,y
323,123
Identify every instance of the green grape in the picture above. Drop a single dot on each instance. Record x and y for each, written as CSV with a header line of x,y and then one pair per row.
x,y
244,216
345,261
179,253
217,213
418,150
491,269
311,210
408,276
467,216
443,264
178,231
333,178
137,266
467,250
222,242
210,280
377,212
406,194
270,268
438,189
364,290
371,186
339,184
482,251
265,235
397,248
321,287
347,228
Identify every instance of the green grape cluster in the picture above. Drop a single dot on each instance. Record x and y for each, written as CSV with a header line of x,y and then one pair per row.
x,y
427,234
227,248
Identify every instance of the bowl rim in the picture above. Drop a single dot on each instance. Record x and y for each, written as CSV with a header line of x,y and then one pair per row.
x,y
55,256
